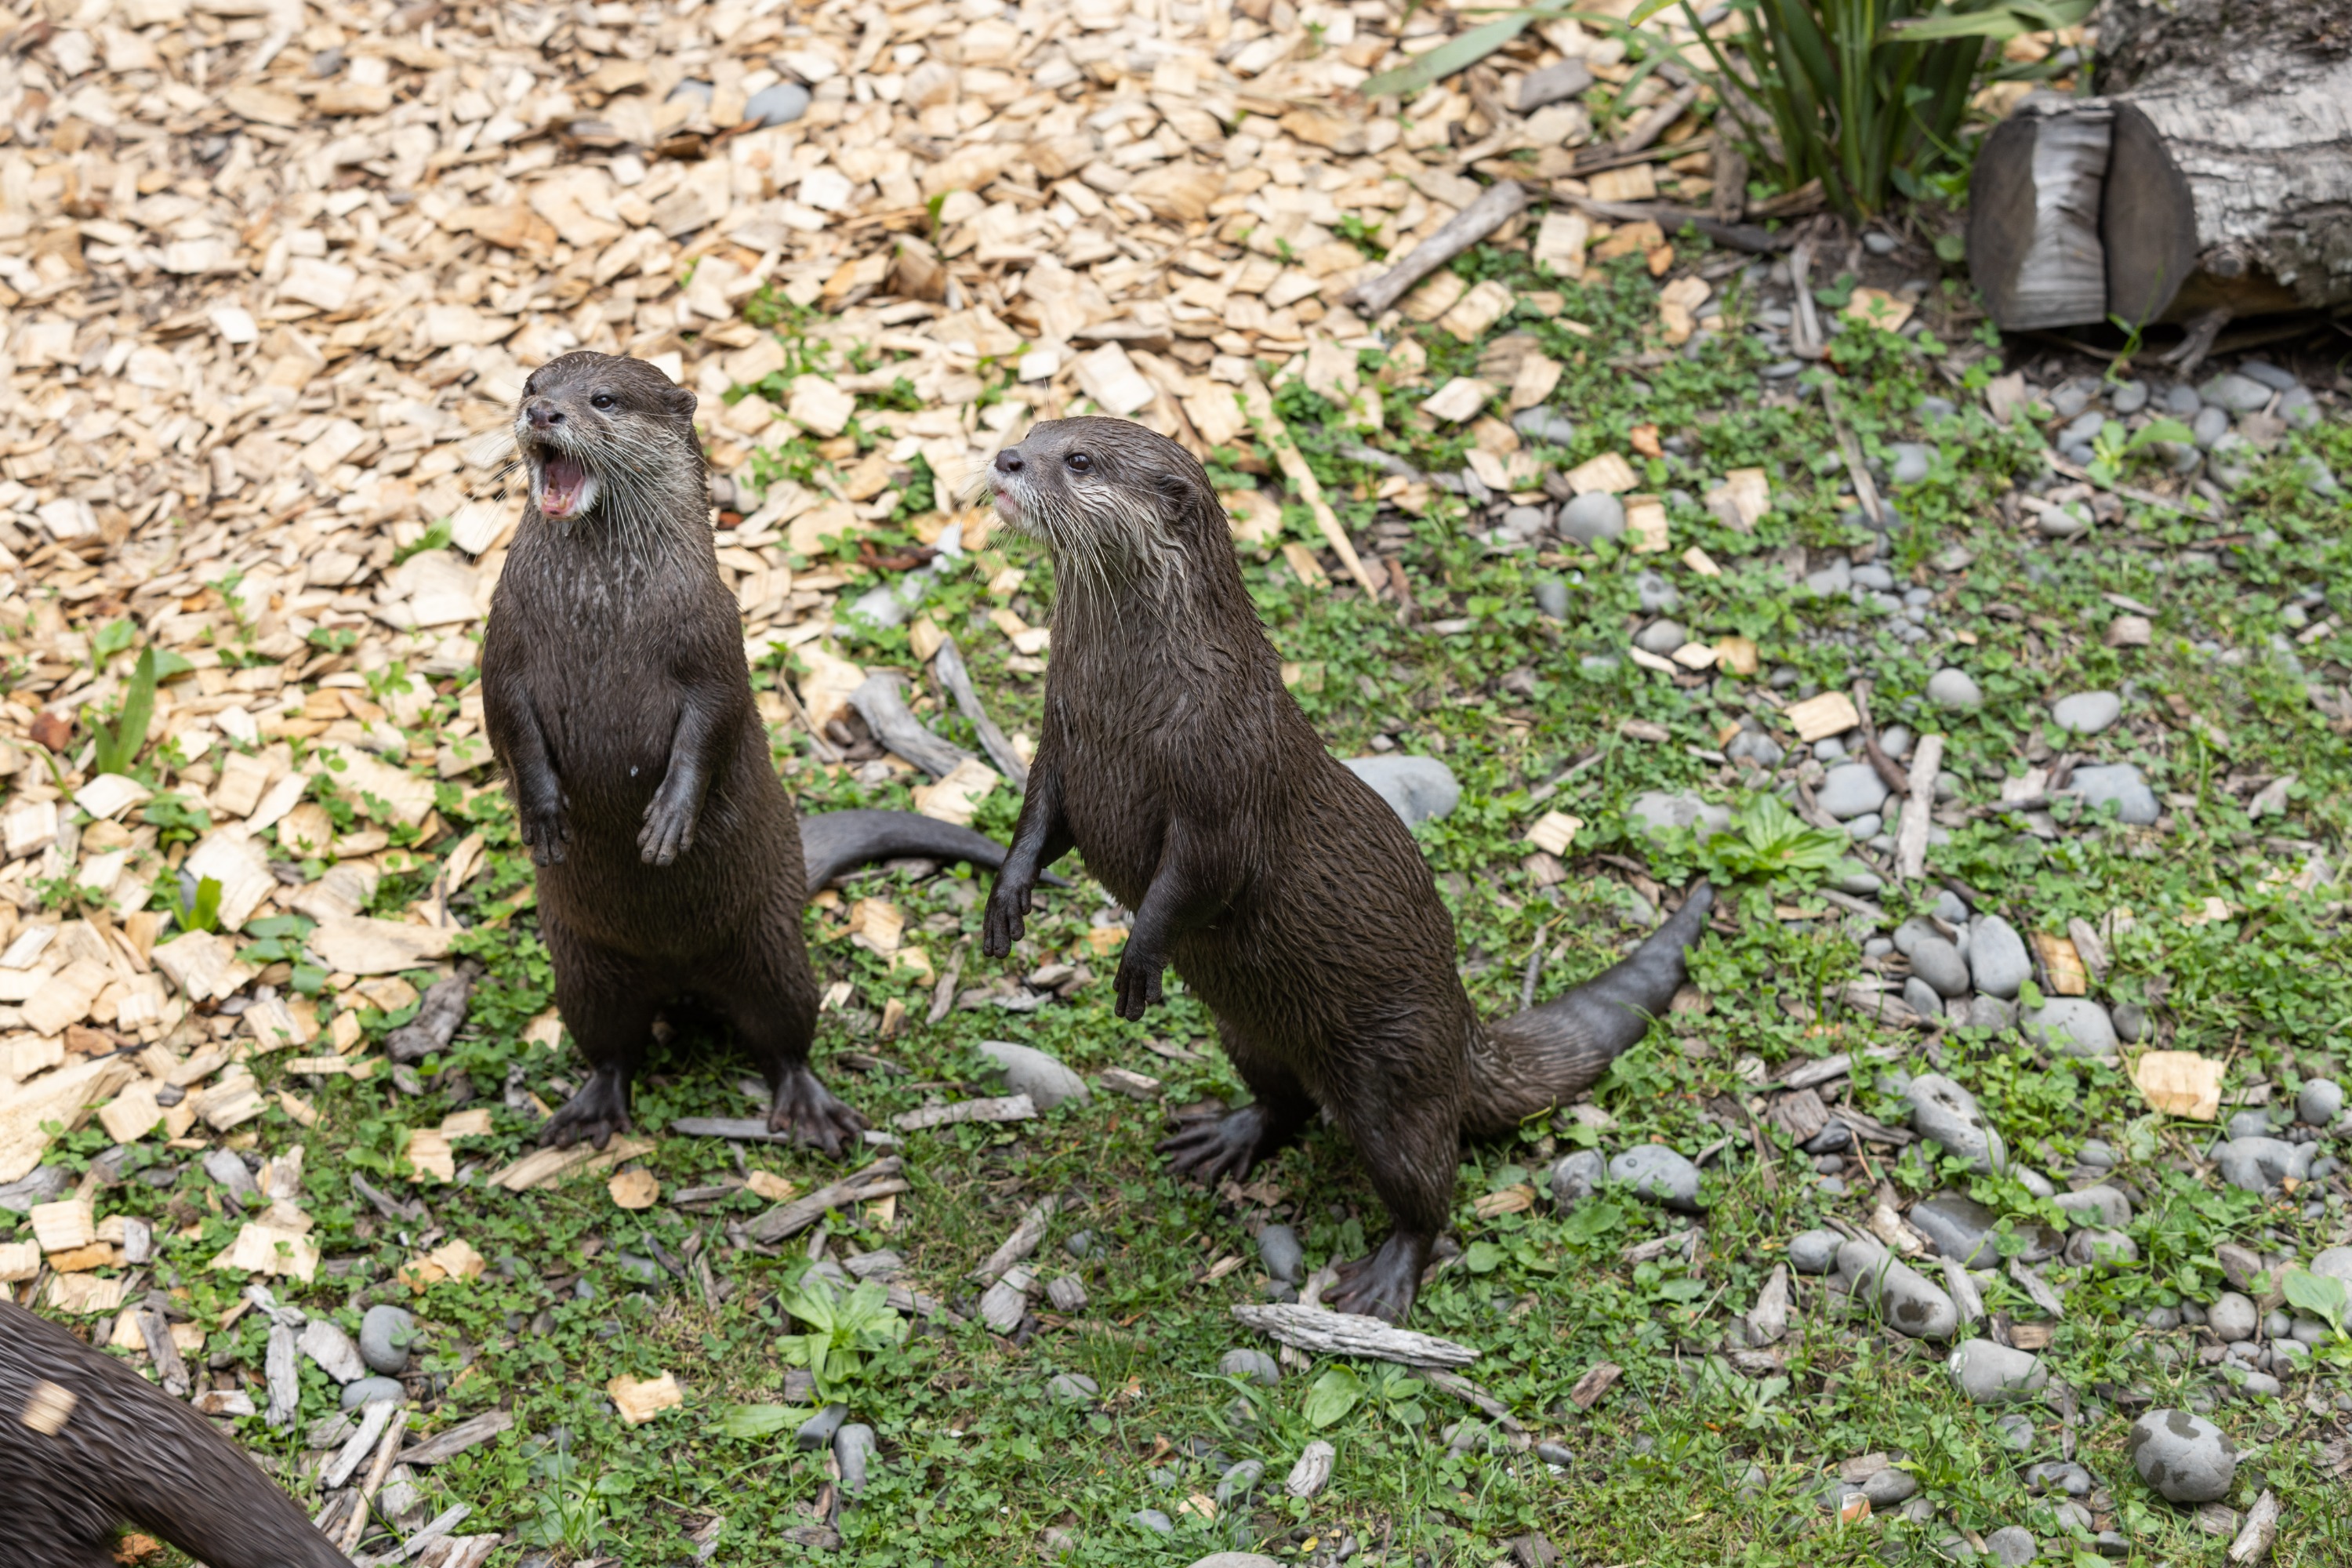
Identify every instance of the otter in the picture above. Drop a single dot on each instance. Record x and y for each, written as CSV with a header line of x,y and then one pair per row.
x,y
87,1443
1289,896
671,866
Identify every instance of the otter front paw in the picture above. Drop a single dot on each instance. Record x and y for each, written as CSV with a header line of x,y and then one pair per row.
x,y
1138,983
669,831
1003,923
544,830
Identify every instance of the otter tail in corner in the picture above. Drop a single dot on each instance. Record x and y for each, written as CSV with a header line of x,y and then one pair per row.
x,y
834,842
1549,1054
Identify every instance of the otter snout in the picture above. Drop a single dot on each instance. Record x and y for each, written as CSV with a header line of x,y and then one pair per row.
x,y
1009,461
541,415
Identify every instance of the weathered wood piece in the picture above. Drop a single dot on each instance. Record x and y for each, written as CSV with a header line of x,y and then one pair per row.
x,y
881,702
1495,206
877,1180
1346,1333
948,664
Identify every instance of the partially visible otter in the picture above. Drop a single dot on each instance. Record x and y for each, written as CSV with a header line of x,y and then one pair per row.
x,y
1286,893
87,1443
671,864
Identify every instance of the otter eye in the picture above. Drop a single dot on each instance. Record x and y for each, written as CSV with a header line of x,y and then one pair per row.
x,y
1078,462
603,400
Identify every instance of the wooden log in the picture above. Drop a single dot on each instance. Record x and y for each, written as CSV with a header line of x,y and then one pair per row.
x,y
1327,1333
883,705
2033,219
1495,206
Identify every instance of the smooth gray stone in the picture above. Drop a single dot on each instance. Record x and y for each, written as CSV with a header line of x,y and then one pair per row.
x,y
2252,1123
2012,1546
1655,810
1072,1388
2059,1476
1757,747
2232,1318
1552,596
1552,83
1913,460
2254,1165
1660,636
1961,1228
1851,789
1989,1373
1659,1173
2210,425
779,103
386,1334
2120,784
2086,712
817,1431
1042,1078
2069,398
2336,1263
2104,1251
2095,1151
2319,1102
1903,1299
1890,1487
1998,962
2130,1020
1152,1520
1911,932
1256,1366
1526,521
1240,1481
1658,597
2072,1026
852,1451
2238,394
1921,997
2113,1209
1279,1248
1816,1251
2264,373
1863,828
2129,398
1947,1115
42,1186
2016,1432
1592,518
1578,1175
367,1391
1832,581
2185,1458
1545,424
1940,964
2083,428
2259,1385
1954,688
1418,789
1834,1138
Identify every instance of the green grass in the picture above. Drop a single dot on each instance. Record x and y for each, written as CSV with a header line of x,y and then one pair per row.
x,y
977,1461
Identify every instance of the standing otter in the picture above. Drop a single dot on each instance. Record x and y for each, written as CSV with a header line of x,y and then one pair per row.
x,y
619,705
1286,893
87,1443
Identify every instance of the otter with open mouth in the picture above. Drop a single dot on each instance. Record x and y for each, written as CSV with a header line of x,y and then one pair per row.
x,y
1286,893
671,866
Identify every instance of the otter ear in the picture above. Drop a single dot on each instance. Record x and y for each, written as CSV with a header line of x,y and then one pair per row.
x,y
1174,488
682,402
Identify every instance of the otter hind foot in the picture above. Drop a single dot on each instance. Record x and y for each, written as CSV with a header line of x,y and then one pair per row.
x,y
600,1109
1227,1145
1383,1285
814,1115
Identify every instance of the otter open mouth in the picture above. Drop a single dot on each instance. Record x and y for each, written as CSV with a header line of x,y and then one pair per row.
x,y
562,485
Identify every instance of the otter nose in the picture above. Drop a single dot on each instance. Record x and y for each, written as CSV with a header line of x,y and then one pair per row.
x,y
543,415
1008,461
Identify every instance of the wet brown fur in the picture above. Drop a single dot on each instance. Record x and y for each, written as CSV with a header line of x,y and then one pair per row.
x,y
619,705
1286,893
126,1453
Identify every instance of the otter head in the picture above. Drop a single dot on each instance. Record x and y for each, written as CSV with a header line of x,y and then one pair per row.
x,y
1108,498
591,424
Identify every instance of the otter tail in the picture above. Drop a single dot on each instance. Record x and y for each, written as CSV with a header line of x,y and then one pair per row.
x,y
1548,1055
834,842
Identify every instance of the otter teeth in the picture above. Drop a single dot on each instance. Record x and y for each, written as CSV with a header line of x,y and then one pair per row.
x,y
565,487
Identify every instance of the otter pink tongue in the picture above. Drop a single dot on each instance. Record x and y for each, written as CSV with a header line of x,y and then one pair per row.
x,y
560,480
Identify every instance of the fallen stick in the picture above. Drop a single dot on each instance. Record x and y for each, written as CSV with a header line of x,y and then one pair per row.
x,y
883,706
948,665
1021,1243
1346,1333
1469,1393
1003,1108
1911,835
1495,206
448,1445
437,1018
877,1180
356,1526
1653,124
2253,1542
1260,403
426,1537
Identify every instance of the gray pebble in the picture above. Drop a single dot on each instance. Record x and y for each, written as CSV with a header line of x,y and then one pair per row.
x,y
2071,1025
778,104
1079,1242
1073,1388
1576,1176
2163,1319
1913,460
1903,1299
1866,828
817,1431
1552,596
1815,1251
1988,1372
2059,1475
2120,784
1921,997
1961,1228
1949,688
1660,636
2231,1317
2319,1102
1947,1115
1654,810
2094,1150
369,1390
1526,521
1042,1077
1240,1481
2070,398
1757,747
1940,964
1418,789
2255,1165
2104,1251
1256,1366
1996,957
2129,398
2130,1020
1593,516
2181,401
1659,1173
1890,1487
2086,712
386,1335
2185,1457
1555,1454
2016,1432
2112,1208
2238,394
1658,597
853,1449
1279,1250
1850,790
2012,1546
2259,1385
1546,424
2210,425
1152,1520
2252,1123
